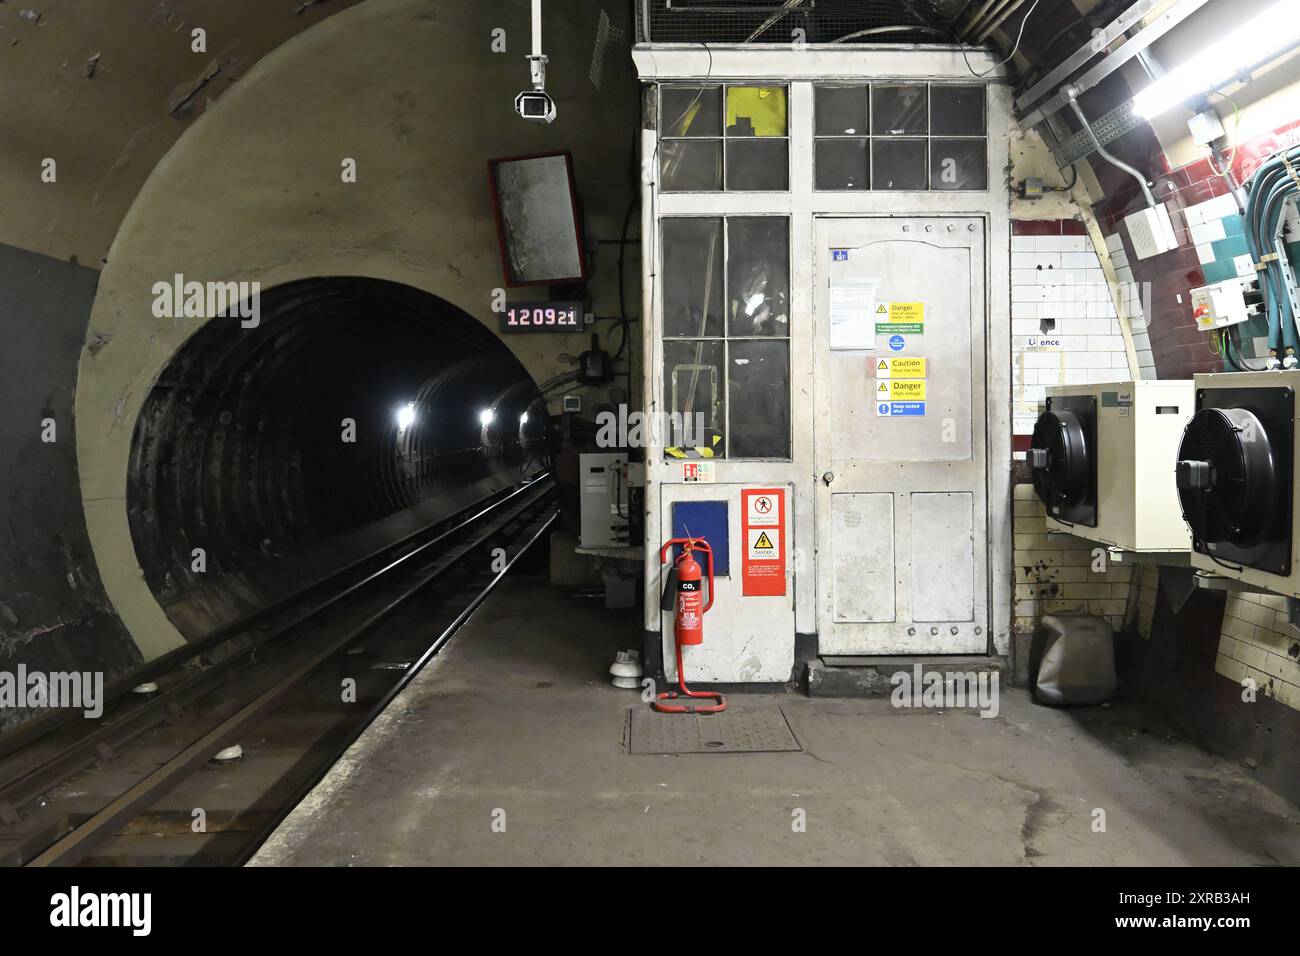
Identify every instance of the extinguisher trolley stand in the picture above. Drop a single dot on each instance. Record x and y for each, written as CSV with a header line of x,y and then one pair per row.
x,y
682,595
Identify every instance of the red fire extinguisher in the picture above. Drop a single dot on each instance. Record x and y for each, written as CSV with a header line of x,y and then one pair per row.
x,y
682,595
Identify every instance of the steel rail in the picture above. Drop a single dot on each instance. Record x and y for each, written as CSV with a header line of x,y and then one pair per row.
x,y
40,728
100,743
74,846
389,696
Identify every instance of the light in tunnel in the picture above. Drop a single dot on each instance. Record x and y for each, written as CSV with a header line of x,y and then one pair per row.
x,y
486,417
1254,42
406,416
523,418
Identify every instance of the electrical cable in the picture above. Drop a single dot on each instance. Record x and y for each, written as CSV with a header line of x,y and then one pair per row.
x,y
1236,132
1233,343
1019,36
1270,187
881,31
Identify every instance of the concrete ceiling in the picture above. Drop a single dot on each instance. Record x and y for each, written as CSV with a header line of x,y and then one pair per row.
x,y
106,87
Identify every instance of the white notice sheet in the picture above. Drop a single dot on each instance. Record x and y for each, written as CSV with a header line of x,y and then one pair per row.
x,y
853,304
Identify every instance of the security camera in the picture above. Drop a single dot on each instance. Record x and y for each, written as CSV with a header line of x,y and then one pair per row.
x,y
536,106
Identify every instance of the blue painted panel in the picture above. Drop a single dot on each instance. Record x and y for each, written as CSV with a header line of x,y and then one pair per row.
x,y
707,520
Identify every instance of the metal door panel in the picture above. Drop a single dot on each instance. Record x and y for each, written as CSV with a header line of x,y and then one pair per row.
x,y
925,589
943,557
862,555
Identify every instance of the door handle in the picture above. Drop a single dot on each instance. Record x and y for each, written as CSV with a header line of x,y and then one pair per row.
x,y
828,477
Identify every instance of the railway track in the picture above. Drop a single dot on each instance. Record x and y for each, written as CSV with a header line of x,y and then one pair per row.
x,y
291,687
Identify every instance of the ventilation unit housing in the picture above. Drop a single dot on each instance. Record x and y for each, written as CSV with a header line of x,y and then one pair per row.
x,y
1235,477
1103,459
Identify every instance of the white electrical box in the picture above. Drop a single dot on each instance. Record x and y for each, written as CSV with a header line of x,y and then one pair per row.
x,y
1236,477
1222,304
1205,127
1151,231
603,500
1125,448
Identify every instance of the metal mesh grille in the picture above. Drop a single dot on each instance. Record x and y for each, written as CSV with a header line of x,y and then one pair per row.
x,y
776,21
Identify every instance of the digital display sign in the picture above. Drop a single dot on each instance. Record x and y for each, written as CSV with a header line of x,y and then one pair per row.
x,y
522,317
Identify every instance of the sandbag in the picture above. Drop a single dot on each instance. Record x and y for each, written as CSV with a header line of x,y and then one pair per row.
x,y
1076,660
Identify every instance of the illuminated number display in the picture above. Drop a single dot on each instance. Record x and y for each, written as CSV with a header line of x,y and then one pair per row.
x,y
542,317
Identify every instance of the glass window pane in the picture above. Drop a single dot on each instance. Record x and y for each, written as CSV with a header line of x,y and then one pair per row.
x,y
756,111
691,111
759,390
898,164
841,110
758,276
692,277
690,165
758,164
957,110
842,164
693,389
899,110
958,164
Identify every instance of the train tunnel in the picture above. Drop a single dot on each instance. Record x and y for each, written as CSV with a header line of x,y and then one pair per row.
x,y
355,411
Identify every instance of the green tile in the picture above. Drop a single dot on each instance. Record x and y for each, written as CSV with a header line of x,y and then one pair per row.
x,y
1230,247
1218,270
1233,225
1253,328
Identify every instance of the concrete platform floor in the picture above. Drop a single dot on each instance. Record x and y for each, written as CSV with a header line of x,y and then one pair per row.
x,y
517,715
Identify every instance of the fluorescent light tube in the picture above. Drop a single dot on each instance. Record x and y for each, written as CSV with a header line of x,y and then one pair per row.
x,y
1253,42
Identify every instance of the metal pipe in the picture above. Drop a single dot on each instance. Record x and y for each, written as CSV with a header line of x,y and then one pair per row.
x,y
1095,45
977,16
1111,62
998,19
1071,98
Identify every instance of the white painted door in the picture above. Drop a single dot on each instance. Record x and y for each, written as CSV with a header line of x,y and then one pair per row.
x,y
901,445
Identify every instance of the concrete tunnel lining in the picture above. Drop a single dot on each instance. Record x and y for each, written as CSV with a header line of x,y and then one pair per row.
x,y
274,456
252,193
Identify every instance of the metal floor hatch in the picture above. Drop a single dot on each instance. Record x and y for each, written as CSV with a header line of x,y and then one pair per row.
x,y
764,730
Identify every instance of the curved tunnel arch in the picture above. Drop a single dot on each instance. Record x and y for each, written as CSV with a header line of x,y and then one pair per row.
x,y
252,192
278,450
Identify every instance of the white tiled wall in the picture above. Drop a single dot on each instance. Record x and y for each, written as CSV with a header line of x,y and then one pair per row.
x,y
1257,643
1055,572
1060,278
1129,292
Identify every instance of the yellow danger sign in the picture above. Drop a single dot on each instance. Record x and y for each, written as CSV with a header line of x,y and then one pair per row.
x,y
764,544
907,312
900,368
902,389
